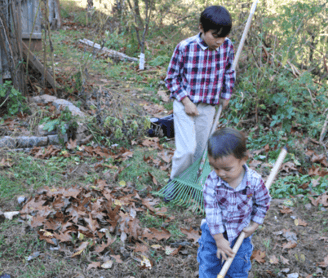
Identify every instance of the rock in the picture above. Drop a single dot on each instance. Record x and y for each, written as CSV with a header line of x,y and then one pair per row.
x,y
44,99
10,214
7,142
308,206
62,104
21,199
54,139
43,132
33,141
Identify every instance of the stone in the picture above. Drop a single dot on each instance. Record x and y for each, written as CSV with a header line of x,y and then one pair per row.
x,y
32,141
7,142
54,139
62,104
47,98
43,132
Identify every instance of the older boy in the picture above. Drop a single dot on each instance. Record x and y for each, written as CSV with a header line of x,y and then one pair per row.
x,y
200,76
235,200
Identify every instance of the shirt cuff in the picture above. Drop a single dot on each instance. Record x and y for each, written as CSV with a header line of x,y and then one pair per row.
x,y
258,219
216,229
180,95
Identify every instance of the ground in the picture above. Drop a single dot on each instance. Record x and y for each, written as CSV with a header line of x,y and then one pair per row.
x,y
292,242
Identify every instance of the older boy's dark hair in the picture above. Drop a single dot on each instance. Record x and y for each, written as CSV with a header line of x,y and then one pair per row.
x,y
227,141
216,18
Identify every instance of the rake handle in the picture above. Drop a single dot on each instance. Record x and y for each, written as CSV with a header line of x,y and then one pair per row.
x,y
241,237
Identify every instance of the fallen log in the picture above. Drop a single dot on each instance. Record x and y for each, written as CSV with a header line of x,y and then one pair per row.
x,y
34,62
109,52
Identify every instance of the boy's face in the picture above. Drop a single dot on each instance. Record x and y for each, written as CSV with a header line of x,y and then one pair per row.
x,y
229,168
211,38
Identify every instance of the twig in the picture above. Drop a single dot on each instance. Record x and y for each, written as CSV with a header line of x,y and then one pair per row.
x,y
324,128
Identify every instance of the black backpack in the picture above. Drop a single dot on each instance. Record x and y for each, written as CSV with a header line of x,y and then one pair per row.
x,y
161,127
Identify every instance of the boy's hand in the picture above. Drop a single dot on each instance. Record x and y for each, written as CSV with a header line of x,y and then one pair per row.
x,y
223,246
190,107
250,229
224,103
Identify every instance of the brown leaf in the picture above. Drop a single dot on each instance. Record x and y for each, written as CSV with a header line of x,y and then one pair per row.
x,y
288,166
163,95
258,256
285,210
143,249
284,260
94,265
153,178
320,158
79,250
71,144
273,259
324,263
191,234
289,245
301,222
117,258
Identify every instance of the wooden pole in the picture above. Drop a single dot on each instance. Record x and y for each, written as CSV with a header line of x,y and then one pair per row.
x,y
241,237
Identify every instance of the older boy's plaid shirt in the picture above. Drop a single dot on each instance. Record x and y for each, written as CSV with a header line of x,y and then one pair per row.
x,y
231,210
201,73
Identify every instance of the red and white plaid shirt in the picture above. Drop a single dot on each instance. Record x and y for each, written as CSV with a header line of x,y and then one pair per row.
x,y
200,73
231,210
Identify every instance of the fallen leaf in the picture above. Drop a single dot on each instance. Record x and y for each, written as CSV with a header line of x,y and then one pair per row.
x,y
79,250
300,222
273,259
107,264
146,262
94,265
285,210
191,234
284,260
324,263
258,256
289,245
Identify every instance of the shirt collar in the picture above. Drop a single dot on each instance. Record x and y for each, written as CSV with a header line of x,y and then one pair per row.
x,y
201,42
243,183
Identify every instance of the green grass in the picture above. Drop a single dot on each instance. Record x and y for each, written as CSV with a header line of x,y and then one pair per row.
x,y
137,169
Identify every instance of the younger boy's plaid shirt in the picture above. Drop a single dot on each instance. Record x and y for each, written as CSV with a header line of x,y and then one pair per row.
x,y
231,210
201,73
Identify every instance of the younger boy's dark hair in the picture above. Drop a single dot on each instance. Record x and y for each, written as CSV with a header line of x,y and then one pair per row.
x,y
227,141
216,18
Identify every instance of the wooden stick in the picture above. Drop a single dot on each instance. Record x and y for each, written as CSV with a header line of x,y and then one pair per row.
x,y
241,237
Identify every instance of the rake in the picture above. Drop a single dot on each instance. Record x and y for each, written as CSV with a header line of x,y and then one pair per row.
x,y
187,189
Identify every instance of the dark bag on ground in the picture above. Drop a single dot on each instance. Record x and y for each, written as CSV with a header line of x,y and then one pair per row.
x,y
161,127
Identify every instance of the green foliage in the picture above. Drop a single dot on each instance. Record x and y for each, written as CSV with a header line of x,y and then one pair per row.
x,y
160,61
14,100
292,185
66,121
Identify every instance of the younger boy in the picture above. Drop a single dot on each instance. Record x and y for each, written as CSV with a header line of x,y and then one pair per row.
x,y
200,76
235,200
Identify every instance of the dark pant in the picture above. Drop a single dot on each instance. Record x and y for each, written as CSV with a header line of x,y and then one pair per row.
x,y
210,266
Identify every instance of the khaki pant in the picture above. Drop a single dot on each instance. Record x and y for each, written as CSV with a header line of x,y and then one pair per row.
x,y
191,134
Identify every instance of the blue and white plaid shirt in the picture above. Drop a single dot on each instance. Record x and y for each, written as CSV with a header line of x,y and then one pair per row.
x,y
231,210
202,74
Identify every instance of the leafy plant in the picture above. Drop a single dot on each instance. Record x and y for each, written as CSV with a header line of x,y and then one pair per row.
x,y
65,122
14,100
